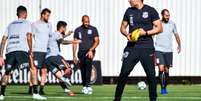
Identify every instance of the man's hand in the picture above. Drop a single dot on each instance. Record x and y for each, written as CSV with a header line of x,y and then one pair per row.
x,y
179,49
128,37
69,33
30,53
142,32
90,54
75,60
2,61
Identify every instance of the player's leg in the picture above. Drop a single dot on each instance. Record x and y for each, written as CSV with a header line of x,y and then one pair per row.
x,y
166,71
55,65
147,61
43,80
39,59
130,59
88,68
160,60
30,90
162,78
10,62
82,64
33,71
168,60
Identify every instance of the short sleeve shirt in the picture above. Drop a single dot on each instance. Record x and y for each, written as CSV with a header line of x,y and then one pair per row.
x,y
163,41
86,35
41,32
17,35
141,18
54,44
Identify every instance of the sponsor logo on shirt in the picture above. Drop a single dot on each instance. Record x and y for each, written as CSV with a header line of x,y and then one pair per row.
x,y
80,35
131,20
14,37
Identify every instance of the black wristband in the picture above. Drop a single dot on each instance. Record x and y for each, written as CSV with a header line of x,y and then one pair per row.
x,y
146,34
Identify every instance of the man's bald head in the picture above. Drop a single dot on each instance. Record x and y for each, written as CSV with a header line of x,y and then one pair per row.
x,y
85,21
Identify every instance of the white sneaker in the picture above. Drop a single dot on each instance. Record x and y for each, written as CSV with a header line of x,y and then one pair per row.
x,y
66,90
1,97
90,90
85,90
39,97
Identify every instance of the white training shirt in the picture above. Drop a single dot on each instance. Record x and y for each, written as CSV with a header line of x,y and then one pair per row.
x,y
164,40
17,35
53,44
41,31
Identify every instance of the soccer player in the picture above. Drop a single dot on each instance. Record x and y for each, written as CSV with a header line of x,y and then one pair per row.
x,y
145,18
41,30
90,40
54,61
163,46
17,37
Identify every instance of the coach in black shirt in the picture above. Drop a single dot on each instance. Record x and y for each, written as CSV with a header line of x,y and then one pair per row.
x,y
90,40
145,18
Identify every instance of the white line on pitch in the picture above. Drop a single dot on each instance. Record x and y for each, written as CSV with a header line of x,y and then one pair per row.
x,y
54,97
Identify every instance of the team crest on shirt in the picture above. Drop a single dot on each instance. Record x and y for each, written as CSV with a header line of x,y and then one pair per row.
x,y
89,31
145,15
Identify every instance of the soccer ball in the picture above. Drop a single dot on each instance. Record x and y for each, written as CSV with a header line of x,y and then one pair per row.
x,y
141,85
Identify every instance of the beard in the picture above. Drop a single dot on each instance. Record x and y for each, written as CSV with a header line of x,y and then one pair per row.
x,y
63,33
46,20
165,20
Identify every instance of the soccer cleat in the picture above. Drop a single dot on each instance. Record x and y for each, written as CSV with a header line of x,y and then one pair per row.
x,y
39,97
1,97
66,90
71,93
163,91
90,90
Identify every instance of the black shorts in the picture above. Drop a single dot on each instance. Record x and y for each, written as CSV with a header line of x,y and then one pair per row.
x,y
164,58
54,63
39,59
16,59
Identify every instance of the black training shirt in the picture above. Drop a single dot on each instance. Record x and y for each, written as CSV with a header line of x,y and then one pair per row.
x,y
141,18
87,36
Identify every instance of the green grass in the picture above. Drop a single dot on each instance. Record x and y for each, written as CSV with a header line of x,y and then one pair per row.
x,y
106,92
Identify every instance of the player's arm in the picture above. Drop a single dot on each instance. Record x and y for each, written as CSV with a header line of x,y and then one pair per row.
x,y
178,42
67,42
67,34
2,46
123,30
157,28
95,44
29,41
90,54
75,60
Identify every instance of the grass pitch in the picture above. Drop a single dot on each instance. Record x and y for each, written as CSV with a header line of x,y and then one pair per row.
x,y
106,93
